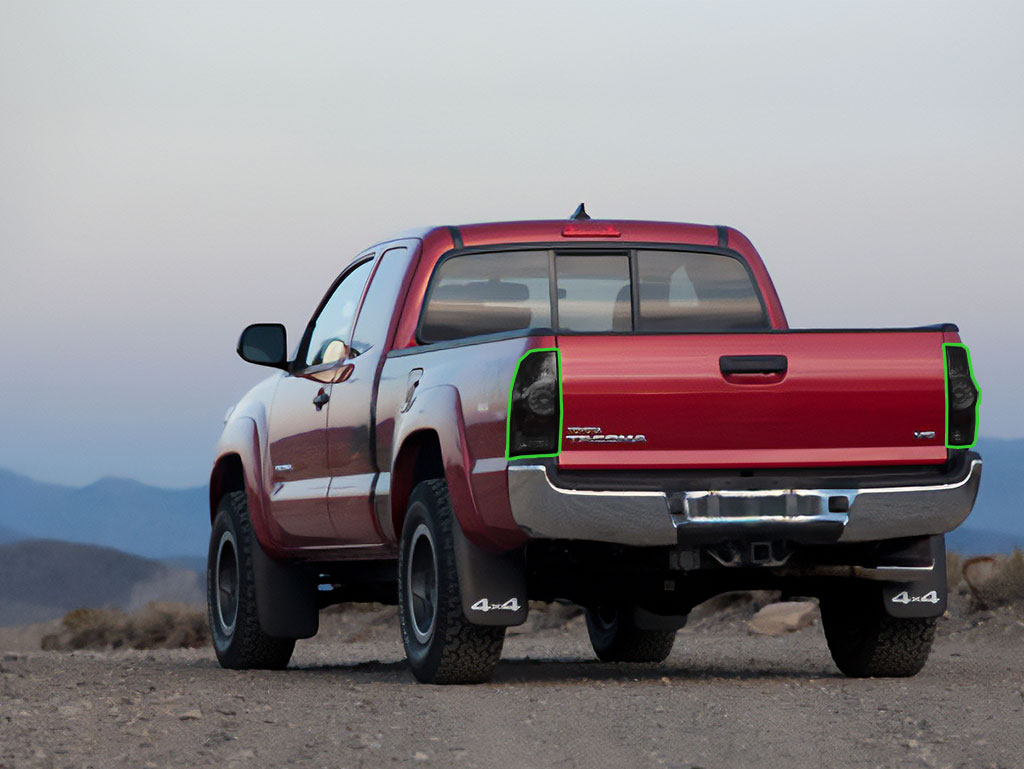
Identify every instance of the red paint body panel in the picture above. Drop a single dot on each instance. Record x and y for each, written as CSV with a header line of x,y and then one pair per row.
x,y
296,438
846,399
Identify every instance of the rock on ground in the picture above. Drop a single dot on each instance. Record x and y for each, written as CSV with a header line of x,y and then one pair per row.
x,y
784,617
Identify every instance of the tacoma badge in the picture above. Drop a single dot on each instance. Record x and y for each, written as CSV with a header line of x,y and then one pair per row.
x,y
595,435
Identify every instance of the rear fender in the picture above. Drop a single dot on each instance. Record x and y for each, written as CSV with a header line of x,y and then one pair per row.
x,y
439,410
492,583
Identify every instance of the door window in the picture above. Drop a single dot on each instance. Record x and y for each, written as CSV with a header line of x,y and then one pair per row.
x,y
328,342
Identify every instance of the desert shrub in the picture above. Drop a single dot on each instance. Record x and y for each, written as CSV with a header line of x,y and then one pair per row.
x,y
156,626
954,570
995,580
88,629
167,626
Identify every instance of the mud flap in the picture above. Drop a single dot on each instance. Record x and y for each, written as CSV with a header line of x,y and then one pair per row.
x,y
492,586
926,597
285,597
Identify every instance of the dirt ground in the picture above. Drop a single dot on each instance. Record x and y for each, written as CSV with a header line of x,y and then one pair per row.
x,y
725,698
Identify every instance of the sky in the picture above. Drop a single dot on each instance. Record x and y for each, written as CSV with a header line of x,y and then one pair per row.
x,y
170,172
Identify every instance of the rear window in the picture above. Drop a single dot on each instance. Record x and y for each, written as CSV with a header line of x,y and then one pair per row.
x,y
682,291
636,291
593,293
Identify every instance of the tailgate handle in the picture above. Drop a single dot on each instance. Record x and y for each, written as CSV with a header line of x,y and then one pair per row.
x,y
753,364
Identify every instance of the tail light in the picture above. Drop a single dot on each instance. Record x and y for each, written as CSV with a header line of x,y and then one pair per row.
x,y
534,426
962,398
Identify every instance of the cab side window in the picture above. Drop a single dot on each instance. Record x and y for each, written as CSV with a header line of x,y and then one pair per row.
x,y
478,294
328,342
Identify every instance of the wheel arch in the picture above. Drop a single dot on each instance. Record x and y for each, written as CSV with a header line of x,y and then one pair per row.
x,y
418,459
239,467
228,475
435,424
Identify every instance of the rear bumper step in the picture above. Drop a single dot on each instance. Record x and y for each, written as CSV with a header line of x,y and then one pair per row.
x,y
653,518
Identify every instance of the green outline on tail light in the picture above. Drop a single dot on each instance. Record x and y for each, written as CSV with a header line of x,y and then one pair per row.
x,y
977,402
508,413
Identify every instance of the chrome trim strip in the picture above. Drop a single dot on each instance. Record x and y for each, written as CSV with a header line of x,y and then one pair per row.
x,y
975,466
750,520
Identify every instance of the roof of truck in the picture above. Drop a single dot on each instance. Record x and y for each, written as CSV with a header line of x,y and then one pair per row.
x,y
589,233
569,231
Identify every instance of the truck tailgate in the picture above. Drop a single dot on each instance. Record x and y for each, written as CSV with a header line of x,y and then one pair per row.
x,y
752,400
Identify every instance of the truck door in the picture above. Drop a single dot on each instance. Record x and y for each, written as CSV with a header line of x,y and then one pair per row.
x,y
350,427
297,442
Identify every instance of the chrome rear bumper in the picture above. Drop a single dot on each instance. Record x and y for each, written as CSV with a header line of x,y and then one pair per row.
x,y
651,518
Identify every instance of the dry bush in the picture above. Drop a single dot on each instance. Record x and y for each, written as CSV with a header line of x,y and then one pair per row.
x,y
155,626
995,580
954,571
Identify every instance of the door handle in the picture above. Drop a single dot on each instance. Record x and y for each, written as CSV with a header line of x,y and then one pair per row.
x,y
321,399
753,364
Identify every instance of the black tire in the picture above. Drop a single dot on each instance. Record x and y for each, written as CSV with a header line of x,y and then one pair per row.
x,y
238,639
866,642
443,647
616,638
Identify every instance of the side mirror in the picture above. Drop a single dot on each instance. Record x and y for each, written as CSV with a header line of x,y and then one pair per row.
x,y
264,344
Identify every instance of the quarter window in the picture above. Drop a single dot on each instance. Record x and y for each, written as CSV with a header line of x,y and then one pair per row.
x,y
381,297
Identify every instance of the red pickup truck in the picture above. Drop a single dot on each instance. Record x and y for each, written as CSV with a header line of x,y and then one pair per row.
x,y
611,413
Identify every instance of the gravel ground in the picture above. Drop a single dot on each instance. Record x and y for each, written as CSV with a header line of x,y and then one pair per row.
x,y
725,698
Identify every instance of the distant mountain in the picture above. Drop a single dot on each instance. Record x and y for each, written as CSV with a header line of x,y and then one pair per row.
x,y
43,579
114,512
9,535
970,541
1000,505
196,563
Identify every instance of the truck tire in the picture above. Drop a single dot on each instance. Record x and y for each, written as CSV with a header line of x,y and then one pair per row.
x,y
238,639
866,642
443,647
616,638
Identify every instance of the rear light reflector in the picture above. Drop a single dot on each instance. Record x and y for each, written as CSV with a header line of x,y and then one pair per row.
x,y
534,421
963,397
590,230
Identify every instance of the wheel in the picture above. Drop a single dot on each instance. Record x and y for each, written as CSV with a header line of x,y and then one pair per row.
x,y
865,641
616,638
443,647
238,639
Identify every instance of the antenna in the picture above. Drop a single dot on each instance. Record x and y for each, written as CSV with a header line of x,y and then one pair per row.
x,y
580,213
